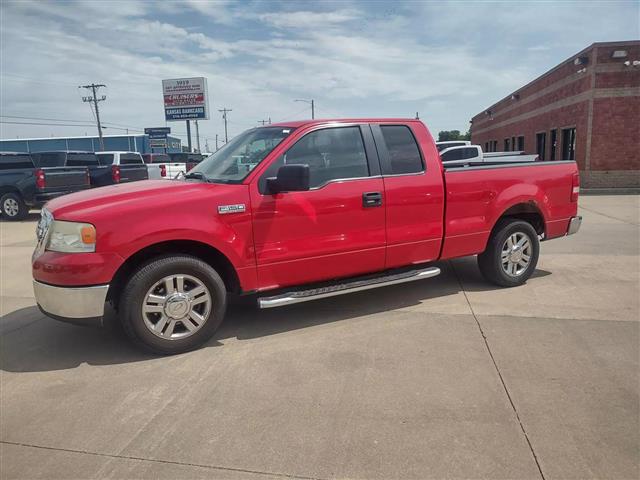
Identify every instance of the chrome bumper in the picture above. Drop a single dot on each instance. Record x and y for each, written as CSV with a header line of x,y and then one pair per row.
x,y
574,225
70,303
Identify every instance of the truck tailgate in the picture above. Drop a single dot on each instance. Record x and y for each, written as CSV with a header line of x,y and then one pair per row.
x,y
59,178
478,196
133,173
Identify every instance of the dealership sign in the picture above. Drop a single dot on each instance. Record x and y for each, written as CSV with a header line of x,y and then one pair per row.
x,y
185,99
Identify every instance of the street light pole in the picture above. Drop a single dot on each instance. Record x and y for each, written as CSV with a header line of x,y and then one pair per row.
x,y
311,102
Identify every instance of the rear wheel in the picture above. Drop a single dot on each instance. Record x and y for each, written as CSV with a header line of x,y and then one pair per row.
x,y
13,207
173,304
512,253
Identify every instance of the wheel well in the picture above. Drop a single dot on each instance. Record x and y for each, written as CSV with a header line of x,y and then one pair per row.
x,y
203,251
527,212
4,190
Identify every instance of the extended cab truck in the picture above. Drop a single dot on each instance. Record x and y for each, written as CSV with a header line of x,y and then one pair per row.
x,y
322,208
23,186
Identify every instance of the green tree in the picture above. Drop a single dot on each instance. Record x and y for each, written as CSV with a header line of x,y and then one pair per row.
x,y
448,135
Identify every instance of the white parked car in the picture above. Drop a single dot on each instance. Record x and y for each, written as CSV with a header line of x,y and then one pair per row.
x,y
467,154
451,143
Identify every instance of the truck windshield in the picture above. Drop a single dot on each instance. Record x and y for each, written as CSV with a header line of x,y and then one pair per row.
x,y
233,162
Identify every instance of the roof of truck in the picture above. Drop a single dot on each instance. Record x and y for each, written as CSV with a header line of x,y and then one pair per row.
x,y
301,123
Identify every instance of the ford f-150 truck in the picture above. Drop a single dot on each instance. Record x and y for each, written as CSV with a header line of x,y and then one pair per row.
x,y
289,213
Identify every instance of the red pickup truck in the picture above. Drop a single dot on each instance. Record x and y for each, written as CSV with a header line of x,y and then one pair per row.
x,y
289,213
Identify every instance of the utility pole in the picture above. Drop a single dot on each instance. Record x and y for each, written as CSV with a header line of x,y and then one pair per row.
x,y
311,102
216,142
224,117
94,98
417,116
265,122
189,135
197,136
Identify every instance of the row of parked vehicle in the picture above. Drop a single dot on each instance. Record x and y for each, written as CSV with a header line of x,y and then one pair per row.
x,y
29,180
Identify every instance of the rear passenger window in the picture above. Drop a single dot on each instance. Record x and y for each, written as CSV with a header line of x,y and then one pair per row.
x,y
332,154
81,160
469,153
105,158
404,155
130,159
15,162
453,154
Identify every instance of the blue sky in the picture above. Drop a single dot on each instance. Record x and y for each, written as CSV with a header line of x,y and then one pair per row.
x,y
447,60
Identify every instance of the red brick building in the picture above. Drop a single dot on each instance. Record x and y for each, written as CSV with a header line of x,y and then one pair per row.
x,y
587,109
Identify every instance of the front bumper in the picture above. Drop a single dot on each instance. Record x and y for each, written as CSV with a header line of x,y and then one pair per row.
x,y
574,225
73,304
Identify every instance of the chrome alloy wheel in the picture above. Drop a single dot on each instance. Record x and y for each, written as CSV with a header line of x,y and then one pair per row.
x,y
516,254
176,307
10,207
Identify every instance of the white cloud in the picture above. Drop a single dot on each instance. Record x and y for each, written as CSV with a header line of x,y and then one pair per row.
x,y
446,61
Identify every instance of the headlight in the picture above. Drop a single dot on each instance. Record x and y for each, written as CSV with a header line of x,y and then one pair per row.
x,y
71,237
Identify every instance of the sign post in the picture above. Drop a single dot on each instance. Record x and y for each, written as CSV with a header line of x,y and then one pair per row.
x,y
186,99
158,137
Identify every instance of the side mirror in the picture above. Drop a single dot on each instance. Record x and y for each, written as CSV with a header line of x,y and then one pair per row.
x,y
290,178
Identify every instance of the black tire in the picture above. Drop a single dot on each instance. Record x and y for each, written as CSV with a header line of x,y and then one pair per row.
x,y
491,263
13,207
134,294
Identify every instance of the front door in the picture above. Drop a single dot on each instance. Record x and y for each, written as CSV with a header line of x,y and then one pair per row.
x,y
334,229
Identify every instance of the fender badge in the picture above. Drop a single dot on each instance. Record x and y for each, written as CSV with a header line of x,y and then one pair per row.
x,y
237,208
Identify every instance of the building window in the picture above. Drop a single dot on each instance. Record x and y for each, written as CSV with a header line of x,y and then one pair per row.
x,y
507,145
486,146
541,144
513,143
553,145
520,143
494,146
569,144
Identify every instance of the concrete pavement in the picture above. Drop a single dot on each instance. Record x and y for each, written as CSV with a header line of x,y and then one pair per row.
x,y
448,377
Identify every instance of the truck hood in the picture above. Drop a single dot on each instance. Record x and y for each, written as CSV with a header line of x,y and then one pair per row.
x,y
153,195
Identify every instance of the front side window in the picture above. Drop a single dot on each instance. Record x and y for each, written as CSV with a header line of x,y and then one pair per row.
x,y
331,154
233,162
404,155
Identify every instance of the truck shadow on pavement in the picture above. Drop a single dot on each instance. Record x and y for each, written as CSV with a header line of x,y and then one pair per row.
x,y
31,342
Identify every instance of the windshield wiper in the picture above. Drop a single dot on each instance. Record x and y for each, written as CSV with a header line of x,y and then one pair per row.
x,y
199,175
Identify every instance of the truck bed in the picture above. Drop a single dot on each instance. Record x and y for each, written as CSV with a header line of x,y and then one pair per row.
x,y
478,194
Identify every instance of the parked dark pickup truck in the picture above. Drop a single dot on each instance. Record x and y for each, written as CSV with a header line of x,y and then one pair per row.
x,y
23,186
105,168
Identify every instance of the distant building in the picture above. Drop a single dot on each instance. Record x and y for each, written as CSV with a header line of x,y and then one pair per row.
x,y
131,143
586,109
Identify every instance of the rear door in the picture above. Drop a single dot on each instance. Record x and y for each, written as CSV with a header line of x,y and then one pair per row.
x,y
132,168
414,195
335,229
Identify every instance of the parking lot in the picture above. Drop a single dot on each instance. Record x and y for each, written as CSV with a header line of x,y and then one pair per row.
x,y
447,377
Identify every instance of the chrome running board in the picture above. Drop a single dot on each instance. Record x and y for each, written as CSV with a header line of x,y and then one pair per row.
x,y
346,286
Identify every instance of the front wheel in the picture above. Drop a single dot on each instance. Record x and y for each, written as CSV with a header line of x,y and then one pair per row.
x,y
173,304
511,255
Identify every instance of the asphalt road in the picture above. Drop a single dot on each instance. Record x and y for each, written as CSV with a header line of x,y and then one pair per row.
x,y
448,377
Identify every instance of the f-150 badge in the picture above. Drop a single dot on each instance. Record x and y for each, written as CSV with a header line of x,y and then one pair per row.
x,y
237,208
